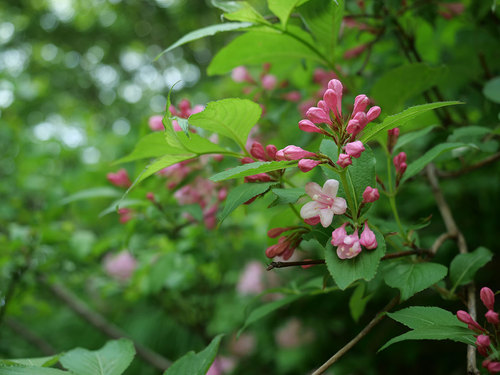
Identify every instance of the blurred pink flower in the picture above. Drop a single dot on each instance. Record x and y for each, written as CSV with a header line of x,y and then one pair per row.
x,y
251,279
119,178
120,266
293,334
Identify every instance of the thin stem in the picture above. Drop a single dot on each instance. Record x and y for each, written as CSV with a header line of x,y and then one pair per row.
x,y
295,211
392,198
347,190
358,338
293,264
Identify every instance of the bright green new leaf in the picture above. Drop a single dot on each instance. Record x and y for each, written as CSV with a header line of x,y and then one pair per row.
x,y
389,92
400,119
198,145
98,192
463,267
195,364
241,194
28,370
232,118
492,90
246,13
112,359
258,47
253,168
32,362
419,164
282,9
411,278
158,165
364,266
152,145
207,31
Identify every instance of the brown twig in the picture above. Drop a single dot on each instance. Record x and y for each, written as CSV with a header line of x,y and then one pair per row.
x,y
102,324
469,168
439,242
454,232
356,339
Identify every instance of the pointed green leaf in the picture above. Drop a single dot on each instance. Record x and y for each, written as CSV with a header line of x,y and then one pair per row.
x,y
286,196
246,13
411,278
463,267
98,192
227,6
358,301
364,266
151,146
400,119
258,47
158,165
232,118
241,194
23,370
207,31
492,90
195,364
32,362
412,136
282,9
112,359
251,169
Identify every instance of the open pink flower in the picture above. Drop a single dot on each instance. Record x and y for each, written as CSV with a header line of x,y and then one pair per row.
x,y
325,202
350,247
120,266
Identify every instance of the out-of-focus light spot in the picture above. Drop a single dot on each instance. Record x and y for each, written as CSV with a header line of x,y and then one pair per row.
x,y
171,76
121,126
107,96
166,3
149,76
131,60
63,9
94,54
91,155
44,131
190,74
158,103
107,18
72,136
106,76
71,59
6,98
48,21
115,1
131,92
6,32
13,60
49,52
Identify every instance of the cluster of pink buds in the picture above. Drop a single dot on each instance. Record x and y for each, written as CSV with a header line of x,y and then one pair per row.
x,y
184,111
286,244
259,153
327,119
126,214
349,246
176,173
400,164
392,138
120,178
486,342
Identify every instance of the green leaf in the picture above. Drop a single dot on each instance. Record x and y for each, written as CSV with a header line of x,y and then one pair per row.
x,y
391,95
266,309
253,168
329,148
358,301
232,118
158,165
323,18
198,145
246,13
122,203
469,133
419,164
411,278
364,266
23,370
286,196
241,194
463,267
430,323
257,47
98,192
410,137
195,364
32,362
492,90
361,173
207,31
227,6
400,119
112,359
282,9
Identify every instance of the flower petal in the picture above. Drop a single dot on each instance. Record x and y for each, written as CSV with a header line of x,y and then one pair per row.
x,y
312,189
326,217
310,209
331,188
339,206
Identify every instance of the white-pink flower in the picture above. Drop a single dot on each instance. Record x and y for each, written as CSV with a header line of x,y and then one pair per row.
x,y
325,202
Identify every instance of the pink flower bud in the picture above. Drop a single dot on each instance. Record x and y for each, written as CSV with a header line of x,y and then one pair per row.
x,y
322,104
222,194
292,152
156,123
240,74
260,177
313,220
373,113
246,160
268,82
392,138
336,86
492,317
370,195
305,165
257,151
464,316
368,238
330,97
400,162
275,232
120,266
338,235
150,196
355,52
318,116
354,149
483,340
292,96
354,127
271,151
344,160
308,126
493,367
119,178
185,108
487,297
360,104
393,132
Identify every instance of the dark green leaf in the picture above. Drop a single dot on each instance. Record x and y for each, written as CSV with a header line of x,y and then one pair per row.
x,y
252,168
463,267
22,370
410,137
32,362
492,90
468,133
241,194
286,196
411,278
358,301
